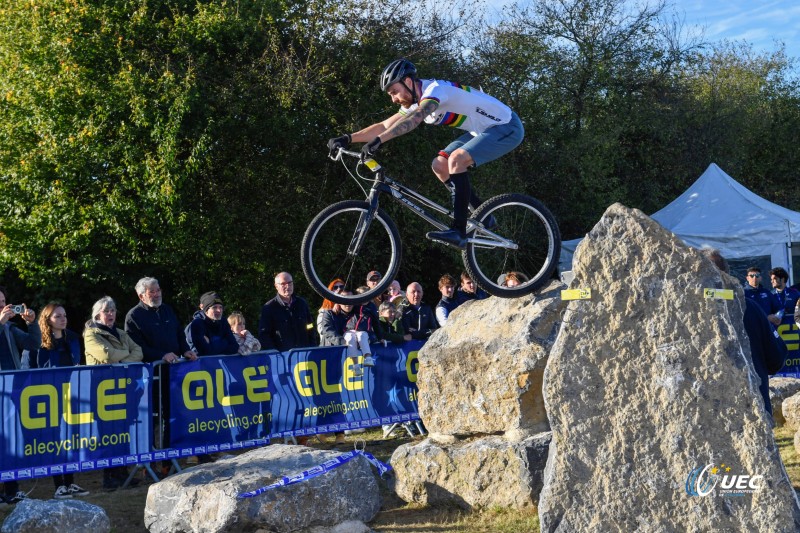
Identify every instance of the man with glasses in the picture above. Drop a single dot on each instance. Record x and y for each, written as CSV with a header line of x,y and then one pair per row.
x,y
765,299
286,320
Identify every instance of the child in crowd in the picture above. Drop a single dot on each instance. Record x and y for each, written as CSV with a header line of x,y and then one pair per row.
x,y
247,342
360,331
389,325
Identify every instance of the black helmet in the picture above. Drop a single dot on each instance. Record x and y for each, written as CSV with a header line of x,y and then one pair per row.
x,y
396,71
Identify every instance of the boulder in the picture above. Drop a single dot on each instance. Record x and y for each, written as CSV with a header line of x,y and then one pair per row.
x,y
781,388
797,442
485,472
482,372
56,516
204,498
790,410
652,397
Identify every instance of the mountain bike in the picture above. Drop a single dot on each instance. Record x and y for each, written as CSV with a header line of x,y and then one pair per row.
x,y
348,239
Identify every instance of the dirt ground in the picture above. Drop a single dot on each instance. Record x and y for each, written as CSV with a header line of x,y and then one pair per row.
x,y
125,507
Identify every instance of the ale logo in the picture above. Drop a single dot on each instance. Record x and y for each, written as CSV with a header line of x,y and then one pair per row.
x,y
704,479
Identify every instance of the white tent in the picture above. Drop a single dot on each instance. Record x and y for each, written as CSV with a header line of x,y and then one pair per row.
x,y
718,211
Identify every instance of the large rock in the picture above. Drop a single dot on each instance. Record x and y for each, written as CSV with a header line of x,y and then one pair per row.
x,y
486,472
649,381
790,410
482,372
56,516
204,498
780,389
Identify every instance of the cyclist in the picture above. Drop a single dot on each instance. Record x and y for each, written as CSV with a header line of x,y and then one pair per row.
x,y
493,130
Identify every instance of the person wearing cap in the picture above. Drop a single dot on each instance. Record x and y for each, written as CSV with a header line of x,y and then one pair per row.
x,y
286,320
373,278
209,332
491,130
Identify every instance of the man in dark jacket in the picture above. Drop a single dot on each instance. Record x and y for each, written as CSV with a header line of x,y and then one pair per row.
x,y
418,318
766,347
286,320
154,326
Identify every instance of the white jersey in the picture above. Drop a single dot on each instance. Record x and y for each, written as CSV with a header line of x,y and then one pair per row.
x,y
461,106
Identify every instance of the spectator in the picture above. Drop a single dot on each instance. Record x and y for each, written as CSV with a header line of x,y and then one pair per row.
x,y
331,322
13,341
418,319
765,299
208,333
390,325
106,344
360,330
468,290
447,286
767,350
395,293
787,297
332,318
373,278
153,325
513,279
60,347
286,320
246,341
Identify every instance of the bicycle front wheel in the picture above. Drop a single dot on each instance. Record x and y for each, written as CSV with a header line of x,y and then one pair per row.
x,y
533,255
345,241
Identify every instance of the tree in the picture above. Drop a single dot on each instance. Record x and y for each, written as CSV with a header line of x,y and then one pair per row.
x,y
180,139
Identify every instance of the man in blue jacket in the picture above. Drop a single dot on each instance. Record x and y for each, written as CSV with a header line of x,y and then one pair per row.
x,y
761,296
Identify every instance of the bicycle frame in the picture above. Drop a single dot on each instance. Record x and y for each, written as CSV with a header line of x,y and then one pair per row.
x,y
412,200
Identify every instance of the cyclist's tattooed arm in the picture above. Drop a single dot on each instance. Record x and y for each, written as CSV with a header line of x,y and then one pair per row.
x,y
410,121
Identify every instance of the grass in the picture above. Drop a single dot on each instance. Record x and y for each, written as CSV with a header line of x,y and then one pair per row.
x,y
125,508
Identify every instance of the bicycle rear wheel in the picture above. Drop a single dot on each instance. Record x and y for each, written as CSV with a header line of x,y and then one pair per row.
x,y
532,228
329,250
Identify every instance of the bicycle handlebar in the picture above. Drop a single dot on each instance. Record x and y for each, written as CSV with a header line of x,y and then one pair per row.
x,y
339,151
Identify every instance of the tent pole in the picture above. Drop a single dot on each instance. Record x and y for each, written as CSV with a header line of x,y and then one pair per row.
x,y
789,252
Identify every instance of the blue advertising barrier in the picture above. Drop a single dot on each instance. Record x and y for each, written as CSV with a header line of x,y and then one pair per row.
x,y
790,333
232,399
70,419
82,418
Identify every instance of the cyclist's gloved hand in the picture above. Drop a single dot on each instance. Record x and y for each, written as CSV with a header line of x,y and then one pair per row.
x,y
339,142
371,148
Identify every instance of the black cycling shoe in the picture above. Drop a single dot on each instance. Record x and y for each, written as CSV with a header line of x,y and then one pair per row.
x,y
452,237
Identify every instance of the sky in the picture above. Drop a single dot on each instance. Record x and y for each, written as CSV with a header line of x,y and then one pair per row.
x,y
759,22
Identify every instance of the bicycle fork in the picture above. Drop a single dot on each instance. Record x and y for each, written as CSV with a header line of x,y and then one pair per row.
x,y
364,221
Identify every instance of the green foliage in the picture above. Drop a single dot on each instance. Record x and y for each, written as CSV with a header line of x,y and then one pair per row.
x,y
185,140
